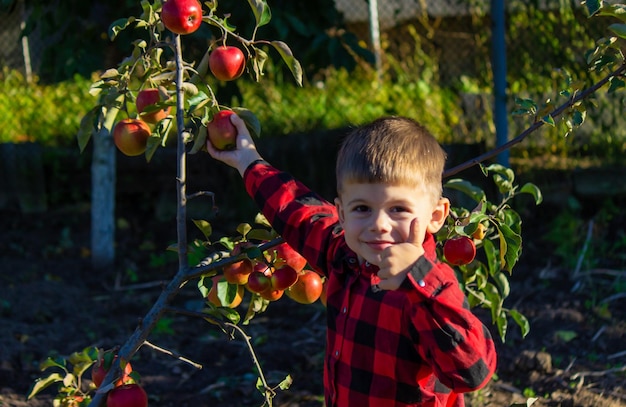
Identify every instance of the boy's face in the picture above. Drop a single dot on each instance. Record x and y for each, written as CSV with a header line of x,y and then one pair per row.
x,y
375,216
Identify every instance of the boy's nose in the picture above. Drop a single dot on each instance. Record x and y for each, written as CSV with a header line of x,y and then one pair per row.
x,y
380,221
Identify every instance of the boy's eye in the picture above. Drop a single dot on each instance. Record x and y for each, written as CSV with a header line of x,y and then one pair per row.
x,y
361,208
399,209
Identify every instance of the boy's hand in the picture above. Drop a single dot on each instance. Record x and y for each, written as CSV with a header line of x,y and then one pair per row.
x,y
245,152
396,260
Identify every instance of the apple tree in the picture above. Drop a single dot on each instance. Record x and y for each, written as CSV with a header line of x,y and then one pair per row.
x,y
155,94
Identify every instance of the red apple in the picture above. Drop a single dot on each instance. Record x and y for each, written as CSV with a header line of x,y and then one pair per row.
x,y
131,136
128,395
182,16
283,278
271,294
238,272
459,250
227,63
285,254
102,366
307,289
324,294
222,133
147,98
259,281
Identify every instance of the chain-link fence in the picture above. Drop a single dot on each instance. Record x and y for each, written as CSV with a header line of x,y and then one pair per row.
x,y
448,43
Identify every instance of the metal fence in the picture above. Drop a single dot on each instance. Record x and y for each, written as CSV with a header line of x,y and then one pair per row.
x,y
455,30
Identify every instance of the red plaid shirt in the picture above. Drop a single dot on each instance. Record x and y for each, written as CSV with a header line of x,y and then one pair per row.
x,y
419,345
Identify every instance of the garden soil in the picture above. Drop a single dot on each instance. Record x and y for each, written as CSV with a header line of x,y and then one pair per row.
x,y
52,302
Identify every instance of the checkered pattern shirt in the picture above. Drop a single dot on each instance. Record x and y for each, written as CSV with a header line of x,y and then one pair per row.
x,y
419,345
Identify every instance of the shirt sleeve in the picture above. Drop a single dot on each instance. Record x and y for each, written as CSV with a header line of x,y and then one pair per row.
x,y
305,220
450,338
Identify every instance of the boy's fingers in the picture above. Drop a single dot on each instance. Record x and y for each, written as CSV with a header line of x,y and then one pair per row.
x,y
414,236
239,124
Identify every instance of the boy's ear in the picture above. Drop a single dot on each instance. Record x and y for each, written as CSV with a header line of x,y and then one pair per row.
x,y
339,210
439,215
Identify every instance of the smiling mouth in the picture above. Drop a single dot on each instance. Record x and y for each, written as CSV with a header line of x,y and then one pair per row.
x,y
379,245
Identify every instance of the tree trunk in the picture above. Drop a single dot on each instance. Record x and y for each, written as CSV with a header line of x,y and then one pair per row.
x,y
103,194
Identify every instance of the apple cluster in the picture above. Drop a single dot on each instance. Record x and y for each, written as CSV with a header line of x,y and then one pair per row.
x,y
281,272
126,392
226,63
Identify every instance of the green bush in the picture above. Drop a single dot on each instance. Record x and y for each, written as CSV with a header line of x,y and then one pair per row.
x,y
47,114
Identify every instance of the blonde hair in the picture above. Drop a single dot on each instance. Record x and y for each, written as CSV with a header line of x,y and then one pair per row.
x,y
392,150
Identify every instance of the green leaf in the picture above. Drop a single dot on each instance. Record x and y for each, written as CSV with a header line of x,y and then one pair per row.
x,y
204,285
205,227
532,189
510,246
502,282
565,335
526,106
230,314
253,252
505,172
260,234
593,6
615,84
252,122
154,141
492,256
198,100
521,321
261,11
43,383
119,25
493,295
199,141
258,63
467,188
243,229
619,30
502,324
286,383
50,362
88,125
548,119
292,63
614,10
226,292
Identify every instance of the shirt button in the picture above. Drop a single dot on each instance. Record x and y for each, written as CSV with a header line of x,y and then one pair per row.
x,y
336,353
344,310
421,283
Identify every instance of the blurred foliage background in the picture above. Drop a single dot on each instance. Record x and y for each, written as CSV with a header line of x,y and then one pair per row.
x,y
436,67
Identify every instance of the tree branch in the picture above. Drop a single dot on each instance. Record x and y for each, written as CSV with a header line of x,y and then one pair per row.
x,y
536,125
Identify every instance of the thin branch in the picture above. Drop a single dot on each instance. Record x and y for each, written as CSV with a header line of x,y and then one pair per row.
x,y
598,373
173,354
217,260
181,171
197,314
613,298
617,355
269,392
536,125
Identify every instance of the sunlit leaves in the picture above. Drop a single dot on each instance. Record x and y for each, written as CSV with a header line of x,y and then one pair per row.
x,y
291,62
485,279
261,11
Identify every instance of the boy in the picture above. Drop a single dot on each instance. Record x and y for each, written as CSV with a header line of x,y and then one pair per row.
x,y
399,330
